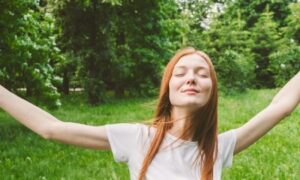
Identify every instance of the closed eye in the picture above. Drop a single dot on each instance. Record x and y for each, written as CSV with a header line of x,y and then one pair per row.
x,y
179,75
204,75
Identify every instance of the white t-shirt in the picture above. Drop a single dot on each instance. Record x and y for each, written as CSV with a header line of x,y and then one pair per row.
x,y
130,142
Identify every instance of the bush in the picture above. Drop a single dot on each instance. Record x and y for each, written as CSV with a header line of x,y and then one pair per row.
x,y
285,63
235,71
28,51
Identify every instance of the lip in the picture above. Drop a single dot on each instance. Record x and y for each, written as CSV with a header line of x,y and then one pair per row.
x,y
191,90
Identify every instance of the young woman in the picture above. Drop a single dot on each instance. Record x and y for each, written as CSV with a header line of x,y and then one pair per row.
x,y
182,142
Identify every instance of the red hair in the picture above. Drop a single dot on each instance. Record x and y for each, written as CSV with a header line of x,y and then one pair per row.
x,y
202,127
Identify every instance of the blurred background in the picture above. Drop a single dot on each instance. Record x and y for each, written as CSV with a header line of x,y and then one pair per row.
x,y
100,62
118,48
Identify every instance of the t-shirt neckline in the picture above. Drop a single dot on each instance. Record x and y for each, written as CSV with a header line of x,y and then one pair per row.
x,y
174,138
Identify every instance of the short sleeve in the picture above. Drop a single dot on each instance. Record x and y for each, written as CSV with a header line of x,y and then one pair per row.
x,y
227,142
123,139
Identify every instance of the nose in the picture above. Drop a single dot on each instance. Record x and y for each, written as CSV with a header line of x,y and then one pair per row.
x,y
191,79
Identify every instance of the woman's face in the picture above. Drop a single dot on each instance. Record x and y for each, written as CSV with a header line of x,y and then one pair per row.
x,y
190,85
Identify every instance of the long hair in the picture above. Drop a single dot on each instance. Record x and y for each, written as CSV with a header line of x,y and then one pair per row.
x,y
202,127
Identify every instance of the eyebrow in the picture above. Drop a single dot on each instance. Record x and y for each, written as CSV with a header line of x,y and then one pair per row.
x,y
198,67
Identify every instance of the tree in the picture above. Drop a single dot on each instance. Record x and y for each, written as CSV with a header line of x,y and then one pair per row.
x,y
284,62
266,37
251,10
148,33
229,45
292,30
122,47
28,50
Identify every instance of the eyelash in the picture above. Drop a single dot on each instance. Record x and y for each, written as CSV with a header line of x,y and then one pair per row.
x,y
201,75
179,75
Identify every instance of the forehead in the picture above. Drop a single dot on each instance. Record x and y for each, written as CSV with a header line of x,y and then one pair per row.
x,y
192,61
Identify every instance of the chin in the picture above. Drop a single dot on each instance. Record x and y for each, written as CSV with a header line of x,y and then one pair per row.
x,y
195,106
192,104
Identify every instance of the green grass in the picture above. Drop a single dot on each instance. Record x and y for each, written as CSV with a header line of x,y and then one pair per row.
x,y
24,155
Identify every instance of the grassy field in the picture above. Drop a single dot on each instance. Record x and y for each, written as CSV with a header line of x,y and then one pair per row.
x,y
24,155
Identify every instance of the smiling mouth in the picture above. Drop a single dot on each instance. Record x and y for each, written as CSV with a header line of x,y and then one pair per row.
x,y
191,92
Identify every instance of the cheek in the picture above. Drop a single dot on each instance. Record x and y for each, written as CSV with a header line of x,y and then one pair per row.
x,y
174,84
174,87
207,87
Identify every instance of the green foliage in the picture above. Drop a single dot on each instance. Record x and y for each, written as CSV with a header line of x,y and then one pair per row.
x,y
285,63
121,48
150,31
87,34
234,71
29,51
228,44
251,10
292,29
193,13
266,38
266,17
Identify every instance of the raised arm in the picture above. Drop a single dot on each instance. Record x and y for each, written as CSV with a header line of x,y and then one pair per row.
x,y
282,105
49,127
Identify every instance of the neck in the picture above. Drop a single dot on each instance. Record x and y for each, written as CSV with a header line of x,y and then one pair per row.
x,y
179,116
